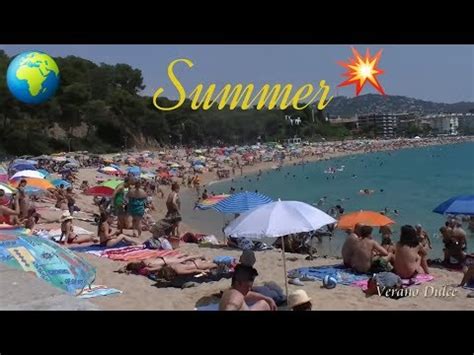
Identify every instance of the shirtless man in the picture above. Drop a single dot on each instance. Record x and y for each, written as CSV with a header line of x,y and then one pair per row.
x,y
410,255
239,295
363,251
348,247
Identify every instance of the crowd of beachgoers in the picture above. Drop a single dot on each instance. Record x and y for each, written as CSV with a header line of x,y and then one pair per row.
x,y
129,204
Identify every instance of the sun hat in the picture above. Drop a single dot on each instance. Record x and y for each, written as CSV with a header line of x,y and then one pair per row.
x,y
297,298
65,216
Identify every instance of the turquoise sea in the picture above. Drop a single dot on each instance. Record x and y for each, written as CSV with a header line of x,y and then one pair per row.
x,y
414,181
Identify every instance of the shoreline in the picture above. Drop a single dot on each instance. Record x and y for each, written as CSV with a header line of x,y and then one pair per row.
x,y
208,178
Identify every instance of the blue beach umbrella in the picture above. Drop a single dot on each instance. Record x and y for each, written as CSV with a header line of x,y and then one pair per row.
x,y
44,172
463,204
57,182
241,202
46,259
135,170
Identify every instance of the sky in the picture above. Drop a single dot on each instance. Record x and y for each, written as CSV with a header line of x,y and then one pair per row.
x,y
439,73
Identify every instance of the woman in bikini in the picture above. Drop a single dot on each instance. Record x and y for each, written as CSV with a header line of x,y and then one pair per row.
x,y
67,232
109,238
170,267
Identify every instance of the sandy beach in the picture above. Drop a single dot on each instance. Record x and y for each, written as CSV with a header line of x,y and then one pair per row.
x,y
139,293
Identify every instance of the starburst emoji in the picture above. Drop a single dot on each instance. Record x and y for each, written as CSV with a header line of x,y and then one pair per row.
x,y
360,70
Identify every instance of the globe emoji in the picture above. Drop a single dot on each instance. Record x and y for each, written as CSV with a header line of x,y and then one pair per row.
x,y
33,77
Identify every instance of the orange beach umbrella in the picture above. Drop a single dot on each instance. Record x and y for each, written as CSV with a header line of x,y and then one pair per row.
x,y
34,182
367,218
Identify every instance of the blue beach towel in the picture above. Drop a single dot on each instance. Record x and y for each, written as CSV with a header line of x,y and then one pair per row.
x,y
224,259
97,247
343,275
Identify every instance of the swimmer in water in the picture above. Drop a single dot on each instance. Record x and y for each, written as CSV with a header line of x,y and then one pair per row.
x,y
294,175
354,176
307,177
381,190
396,212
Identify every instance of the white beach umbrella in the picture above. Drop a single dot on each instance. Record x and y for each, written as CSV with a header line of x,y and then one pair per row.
x,y
277,219
28,174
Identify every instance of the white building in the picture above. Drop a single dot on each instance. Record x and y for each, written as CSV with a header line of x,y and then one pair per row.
x,y
443,123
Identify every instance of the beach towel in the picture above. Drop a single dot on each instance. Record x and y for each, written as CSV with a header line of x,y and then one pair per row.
x,y
272,290
96,248
129,253
225,260
97,291
344,276
417,280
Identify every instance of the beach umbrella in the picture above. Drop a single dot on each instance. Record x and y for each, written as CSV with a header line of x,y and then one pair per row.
x,y
58,182
211,201
241,202
41,184
367,218
463,204
101,191
135,170
112,183
46,259
22,166
28,173
277,219
44,172
7,188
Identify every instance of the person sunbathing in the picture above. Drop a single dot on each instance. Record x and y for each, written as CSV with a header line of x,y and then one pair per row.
x,y
169,268
68,234
109,238
410,256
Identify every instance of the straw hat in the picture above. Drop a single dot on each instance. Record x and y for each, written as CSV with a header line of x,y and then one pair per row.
x,y
65,216
297,298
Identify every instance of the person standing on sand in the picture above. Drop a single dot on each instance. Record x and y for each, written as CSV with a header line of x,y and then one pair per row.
x,y
239,295
119,204
136,207
23,199
197,184
173,206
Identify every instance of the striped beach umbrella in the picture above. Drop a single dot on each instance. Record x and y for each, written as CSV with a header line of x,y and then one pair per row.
x,y
28,174
7,188
241,202
211,201
41,184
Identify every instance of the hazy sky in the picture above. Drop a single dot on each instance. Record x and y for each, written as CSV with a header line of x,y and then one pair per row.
x,y
435,73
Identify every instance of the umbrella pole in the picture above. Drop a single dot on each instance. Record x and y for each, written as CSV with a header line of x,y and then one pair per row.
x,y
284,265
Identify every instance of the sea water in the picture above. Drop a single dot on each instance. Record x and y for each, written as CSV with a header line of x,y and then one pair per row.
x,y
411,181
